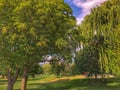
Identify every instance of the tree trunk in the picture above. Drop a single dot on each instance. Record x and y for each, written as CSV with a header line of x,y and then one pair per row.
x,y
24,79
10,85
12,79
95,76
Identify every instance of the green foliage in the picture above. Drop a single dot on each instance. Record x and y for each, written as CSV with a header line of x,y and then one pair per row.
x,y
57,65
87,60
32,28
36,70
47,69
104,22
70,70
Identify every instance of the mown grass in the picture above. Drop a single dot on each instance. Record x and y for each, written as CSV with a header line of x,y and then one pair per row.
x,y
66,83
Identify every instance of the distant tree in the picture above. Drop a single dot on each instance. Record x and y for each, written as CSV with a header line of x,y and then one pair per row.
x,y
37,69
57,65
47,69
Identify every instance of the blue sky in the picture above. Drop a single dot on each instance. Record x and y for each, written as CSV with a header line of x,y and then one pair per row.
x,y
76,10
81,8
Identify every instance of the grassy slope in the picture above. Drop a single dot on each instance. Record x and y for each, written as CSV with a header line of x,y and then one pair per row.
x,y
66,83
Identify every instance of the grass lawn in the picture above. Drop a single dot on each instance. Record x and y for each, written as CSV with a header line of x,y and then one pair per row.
x,y
65,83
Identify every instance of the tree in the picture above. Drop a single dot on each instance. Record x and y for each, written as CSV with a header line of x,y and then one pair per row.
x,y
31,29
103,22
87,61
47,69
10,54
57,64
50,23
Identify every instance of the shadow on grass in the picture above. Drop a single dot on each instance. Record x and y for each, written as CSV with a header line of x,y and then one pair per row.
x,y
77,84
3,81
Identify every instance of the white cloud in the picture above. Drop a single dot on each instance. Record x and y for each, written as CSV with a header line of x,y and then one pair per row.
x,y
86,6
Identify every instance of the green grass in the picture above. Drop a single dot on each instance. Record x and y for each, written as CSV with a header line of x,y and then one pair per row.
x,y
65,83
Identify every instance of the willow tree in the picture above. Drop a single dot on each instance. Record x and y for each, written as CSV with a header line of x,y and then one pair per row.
x,y
31,29
103,25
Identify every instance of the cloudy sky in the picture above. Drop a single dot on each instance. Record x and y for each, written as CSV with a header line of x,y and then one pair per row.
x,y
81,8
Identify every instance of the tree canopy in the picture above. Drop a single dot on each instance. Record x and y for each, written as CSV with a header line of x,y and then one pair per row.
x,y
30,29
101,30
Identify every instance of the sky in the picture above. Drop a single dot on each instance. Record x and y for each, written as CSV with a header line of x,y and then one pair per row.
x,y
81,8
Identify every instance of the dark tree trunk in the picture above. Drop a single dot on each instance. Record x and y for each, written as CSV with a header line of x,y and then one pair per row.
x,y
24,79
10,85
12,79
95,76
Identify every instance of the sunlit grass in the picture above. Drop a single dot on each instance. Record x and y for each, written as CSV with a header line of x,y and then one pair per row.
x,y
52,82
